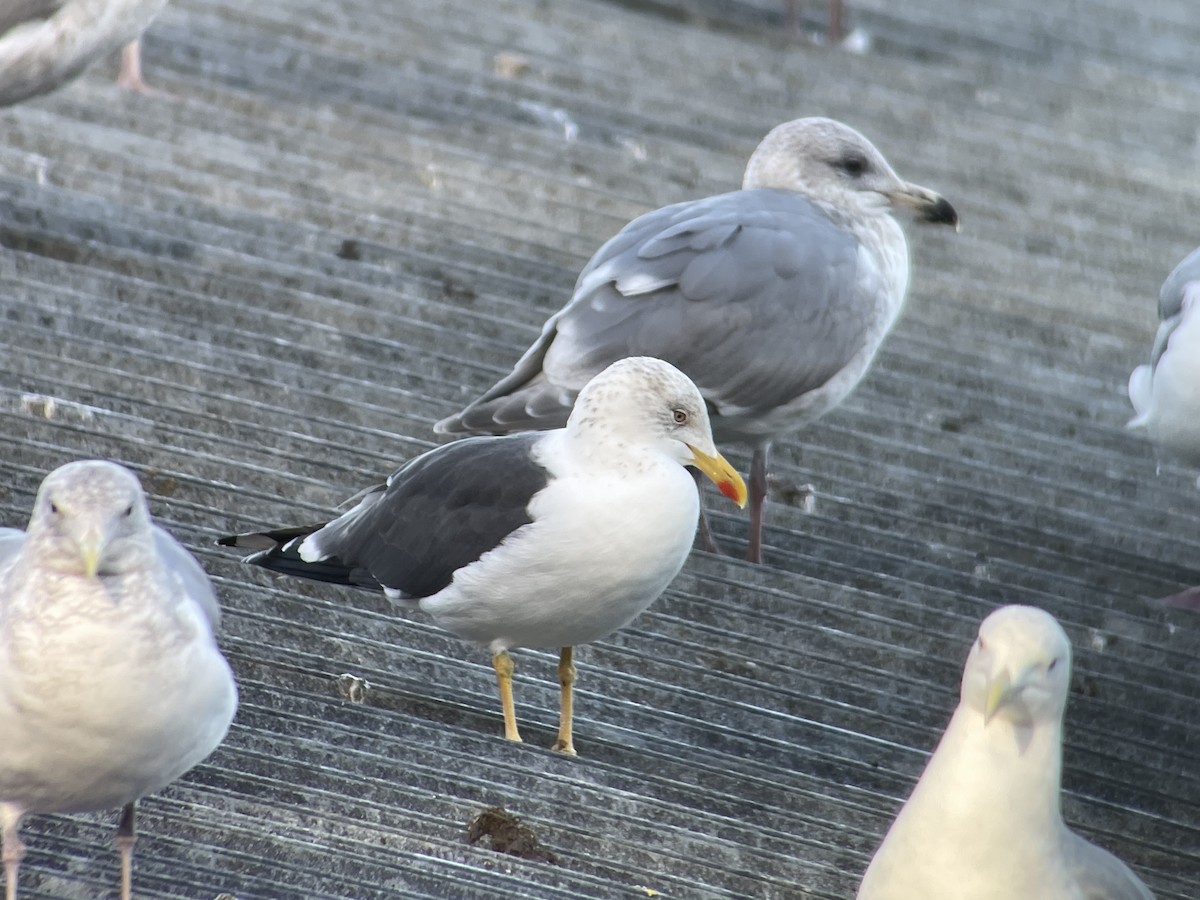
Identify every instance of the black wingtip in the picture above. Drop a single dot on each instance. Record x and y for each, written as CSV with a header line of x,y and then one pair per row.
x,y
250,541
278,551
258,541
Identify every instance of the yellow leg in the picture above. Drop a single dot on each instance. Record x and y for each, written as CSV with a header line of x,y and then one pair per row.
x,y
503,665
566,682
126,838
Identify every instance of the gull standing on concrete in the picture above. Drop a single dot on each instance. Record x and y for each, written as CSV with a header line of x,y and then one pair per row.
x,y
984,822
532,540
46,43
1166,392
773,299
111,683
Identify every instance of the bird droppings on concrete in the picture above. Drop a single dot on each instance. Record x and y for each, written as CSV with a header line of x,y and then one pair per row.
x,y
507,834
52,408
352,688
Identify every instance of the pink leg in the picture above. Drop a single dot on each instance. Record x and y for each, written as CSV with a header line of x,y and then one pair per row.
x,y
703,531
837,29
126,838
1186,599
758,499
793,15
130,75
11,848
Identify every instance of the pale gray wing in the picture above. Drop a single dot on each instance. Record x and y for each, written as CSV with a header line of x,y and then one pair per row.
x,y
196,583
1170,296
750,293
1102,876
1183,279
11,542
18,12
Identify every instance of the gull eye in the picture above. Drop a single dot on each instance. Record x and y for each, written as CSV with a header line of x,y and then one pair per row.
x,y
128,511
853,165
54,507
1053,663
680,416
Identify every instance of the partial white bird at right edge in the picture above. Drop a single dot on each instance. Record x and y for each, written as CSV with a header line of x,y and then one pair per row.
x,y
985,821
1165,392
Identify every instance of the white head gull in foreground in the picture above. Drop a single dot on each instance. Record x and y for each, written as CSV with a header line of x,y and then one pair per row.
x,y
111,683
773,299
533,540
984,822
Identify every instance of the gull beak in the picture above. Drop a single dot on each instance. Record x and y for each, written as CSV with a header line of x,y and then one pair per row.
x,y
1003,690
1000,691
925,205
721,473
91,545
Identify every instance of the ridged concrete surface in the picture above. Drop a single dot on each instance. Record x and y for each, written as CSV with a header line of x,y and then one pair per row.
x,y
351,218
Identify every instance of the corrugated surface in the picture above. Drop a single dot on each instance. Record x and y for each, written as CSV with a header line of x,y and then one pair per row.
x,y
350,220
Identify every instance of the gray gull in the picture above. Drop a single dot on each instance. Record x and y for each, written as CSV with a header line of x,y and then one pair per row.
x,y
111,683
773,299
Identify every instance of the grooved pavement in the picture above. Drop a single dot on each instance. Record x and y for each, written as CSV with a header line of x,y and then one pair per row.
x,y
353,217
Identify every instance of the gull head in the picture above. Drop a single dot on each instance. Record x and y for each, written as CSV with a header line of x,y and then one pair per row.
x,y
1019,668
833,165
90,518
644,403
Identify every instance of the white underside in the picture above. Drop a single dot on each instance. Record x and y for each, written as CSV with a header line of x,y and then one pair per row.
x,y
983,823
103,702
1167,397
604,545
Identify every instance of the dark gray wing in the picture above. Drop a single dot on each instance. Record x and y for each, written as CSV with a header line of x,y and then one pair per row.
x,y
438,513
751,293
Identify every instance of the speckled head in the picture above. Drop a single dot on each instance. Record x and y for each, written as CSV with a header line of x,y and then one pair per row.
x,y
644,395
91,518
830,163
645,402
